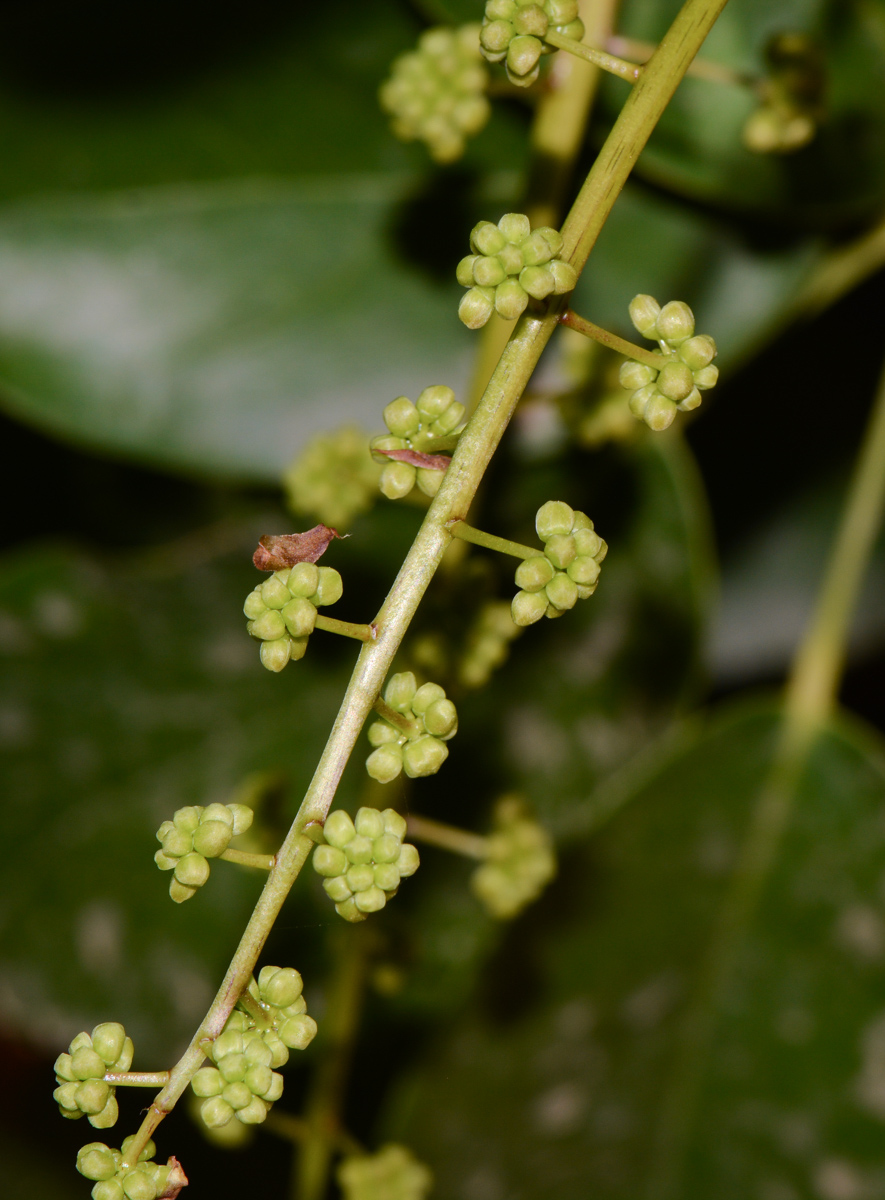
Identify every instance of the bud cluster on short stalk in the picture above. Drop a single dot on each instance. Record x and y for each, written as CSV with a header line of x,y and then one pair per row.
x,y
792,96
487,644
568,569
80,1074
116,1179
244,1082
520,863
417,745
435,414
436,93
656,393
282,611
513,32
333,478
194,835
363,860
392,1174
511,263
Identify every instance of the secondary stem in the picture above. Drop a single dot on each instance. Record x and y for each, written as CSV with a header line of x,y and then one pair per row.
x,y
447,837
599,58
810,697
598,334
246,859
137,1078
466,533
397,719
362,633
701,68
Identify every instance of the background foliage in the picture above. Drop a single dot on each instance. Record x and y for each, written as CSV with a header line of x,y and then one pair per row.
x,y
210,247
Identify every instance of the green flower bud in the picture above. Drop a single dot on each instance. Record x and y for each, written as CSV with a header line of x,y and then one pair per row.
x,y
297,648
386,877
300,616
370,900
528,607
476,307
187,818
511,259
488,272
329,861
531,20
108,1114
212,838
304,579
230,1041
237,1094
254,606
511,299
96,1161
429,481
692,400
675,381
192,870
275,1090
329,589
494,39
216,1112
369,823
448,420
426,695
675,322
503,9
298,1032
108,1189
634,375
521,62
394,823
380,733
537,281
277,1047
86,1064
423,757
640,399
274,592
108,1041
241,816
232,1068
337,889
562,591
561,12
561,549
338,828
532,574
659,412
441,719
358,850
65,1097
177,842
486,238
397,480
584,570
387,848
697,352
258,1053
433,401
400,691
555,518
92,1096
587,542
269,627
402,417
207,1082
148,1151
515,227
464,274
285,985
644,313
138,1185
253,1113
180,891
359,877
706,378
565,277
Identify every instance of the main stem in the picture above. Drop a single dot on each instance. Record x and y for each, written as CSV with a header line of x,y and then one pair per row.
x,y
644,106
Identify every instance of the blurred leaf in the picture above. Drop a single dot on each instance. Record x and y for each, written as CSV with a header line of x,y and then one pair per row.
x,y
126,697
555,1083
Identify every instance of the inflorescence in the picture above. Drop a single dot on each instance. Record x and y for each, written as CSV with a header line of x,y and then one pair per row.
x,y
282,611
416,743
513,32
566,571
363,860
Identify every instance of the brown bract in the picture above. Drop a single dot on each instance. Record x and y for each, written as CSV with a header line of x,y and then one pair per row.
x,y
276,551
175,1180
429,462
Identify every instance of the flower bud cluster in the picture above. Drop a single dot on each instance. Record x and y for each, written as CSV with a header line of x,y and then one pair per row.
x,y
194,835
520,863
567,571
80,1074
417,745
513,32
436,94
510,263
792,96
487,644
333,478
244,1083
657,393
435,414
282,611
392,1174
145,1180
363,860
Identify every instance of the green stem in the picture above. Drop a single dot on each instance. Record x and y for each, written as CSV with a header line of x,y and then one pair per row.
x,y
246,859
428,444
701,68
447,837
326,1096
466,533
362,633
621,345
477,444
397,719
250,1005
810,697
599,58
137,1078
